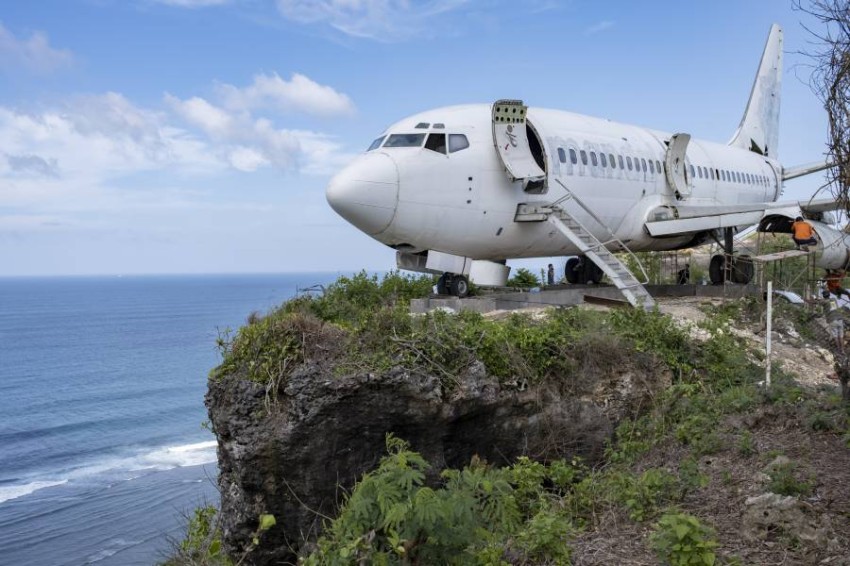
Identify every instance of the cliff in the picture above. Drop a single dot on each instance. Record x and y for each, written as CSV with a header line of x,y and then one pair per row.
x,y
293,451
649,437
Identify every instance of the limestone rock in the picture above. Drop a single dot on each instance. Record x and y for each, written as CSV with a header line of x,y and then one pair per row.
x,y
773,513
296,456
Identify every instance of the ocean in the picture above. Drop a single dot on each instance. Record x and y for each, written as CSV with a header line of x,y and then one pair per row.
x,y
102,379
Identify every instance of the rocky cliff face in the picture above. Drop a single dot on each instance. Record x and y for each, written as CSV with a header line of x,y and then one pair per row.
x,y
296,451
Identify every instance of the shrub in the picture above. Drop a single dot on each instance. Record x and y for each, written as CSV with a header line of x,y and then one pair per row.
x,y
783,481
681,540
523,278
480,514
202,544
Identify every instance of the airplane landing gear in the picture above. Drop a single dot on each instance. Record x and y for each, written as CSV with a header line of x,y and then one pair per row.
x,y
741,271
581,270
453,284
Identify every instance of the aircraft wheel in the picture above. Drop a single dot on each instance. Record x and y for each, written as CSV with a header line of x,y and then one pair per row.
x,y
592,272
716,269
442,284
742,270
572,271
459,286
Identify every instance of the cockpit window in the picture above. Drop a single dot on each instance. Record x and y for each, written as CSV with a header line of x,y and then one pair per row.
x,y
405,140
457,142
376,144
422,126
436,142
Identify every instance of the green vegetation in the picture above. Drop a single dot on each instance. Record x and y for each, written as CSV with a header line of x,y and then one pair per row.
x,y
531,512
681,540
523,279
202,545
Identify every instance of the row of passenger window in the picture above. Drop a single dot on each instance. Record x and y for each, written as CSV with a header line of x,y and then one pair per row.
x,y
609,160
434,142
641,164
701,172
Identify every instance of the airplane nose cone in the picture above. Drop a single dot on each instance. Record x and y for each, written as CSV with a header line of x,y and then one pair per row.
x,y
366,192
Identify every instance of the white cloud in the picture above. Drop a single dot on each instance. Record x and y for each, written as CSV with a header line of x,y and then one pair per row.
x,y
385,20
301,94
34,53
247,159
193,3
198,112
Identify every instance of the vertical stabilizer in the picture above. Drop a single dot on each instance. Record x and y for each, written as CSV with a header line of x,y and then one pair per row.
x,y
759,129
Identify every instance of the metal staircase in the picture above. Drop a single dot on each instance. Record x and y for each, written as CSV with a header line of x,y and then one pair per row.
x,y
589,245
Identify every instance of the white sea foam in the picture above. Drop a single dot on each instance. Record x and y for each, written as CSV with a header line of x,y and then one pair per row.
x,y
127,467
179,456
14,491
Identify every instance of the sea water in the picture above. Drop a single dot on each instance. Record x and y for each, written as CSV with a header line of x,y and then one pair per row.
x,y
102,444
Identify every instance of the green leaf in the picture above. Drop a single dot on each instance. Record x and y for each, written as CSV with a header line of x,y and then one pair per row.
x,y
215,547
256,541
681,531
267,522
708,558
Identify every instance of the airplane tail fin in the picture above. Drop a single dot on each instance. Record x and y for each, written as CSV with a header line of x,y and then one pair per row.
x,y
759,128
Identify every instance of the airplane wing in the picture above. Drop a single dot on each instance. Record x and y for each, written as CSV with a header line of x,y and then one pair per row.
x,y
711,217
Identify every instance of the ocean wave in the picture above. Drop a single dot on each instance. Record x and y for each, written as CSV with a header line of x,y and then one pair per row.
x,y
8,492
178,456
158,459
121,468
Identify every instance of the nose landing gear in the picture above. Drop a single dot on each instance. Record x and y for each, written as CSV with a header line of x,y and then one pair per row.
x,y
453,284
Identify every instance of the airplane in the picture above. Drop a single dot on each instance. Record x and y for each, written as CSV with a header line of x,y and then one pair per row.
x,y
457,191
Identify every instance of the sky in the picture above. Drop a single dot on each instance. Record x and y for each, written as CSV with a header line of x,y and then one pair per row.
x,y
197,136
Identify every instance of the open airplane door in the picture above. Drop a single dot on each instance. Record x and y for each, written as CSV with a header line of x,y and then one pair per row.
x,y
674,164
511,139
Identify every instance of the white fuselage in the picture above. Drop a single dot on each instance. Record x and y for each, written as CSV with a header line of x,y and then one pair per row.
x,y
463,202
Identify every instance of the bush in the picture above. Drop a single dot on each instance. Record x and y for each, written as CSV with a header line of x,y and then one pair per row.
x,y
681,540
523,278
480,514
783,480
202,544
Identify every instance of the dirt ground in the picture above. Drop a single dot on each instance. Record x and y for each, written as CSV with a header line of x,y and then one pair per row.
x,y
820,457
812,364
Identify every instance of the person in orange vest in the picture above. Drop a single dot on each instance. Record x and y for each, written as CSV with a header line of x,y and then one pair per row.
x,y
804,235
833,283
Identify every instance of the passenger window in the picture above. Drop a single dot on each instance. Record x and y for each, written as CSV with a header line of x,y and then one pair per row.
x,y
691,171
376,144
583,157
603,160
405,140
611,160
620,161
642,164
562,155
436,142
593,158
629,162
457,142
573,158
658,166
651,167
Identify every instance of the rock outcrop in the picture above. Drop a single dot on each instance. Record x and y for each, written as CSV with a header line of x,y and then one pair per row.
x,y
294,453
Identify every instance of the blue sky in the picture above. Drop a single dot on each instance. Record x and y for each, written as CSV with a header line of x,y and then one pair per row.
x,y
197,136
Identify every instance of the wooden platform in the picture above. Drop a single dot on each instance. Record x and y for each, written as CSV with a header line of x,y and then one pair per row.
x,y
780,255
